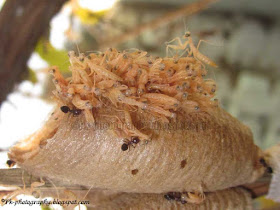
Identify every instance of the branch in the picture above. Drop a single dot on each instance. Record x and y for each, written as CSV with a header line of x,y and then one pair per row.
x,y
15,177
187,10
22,23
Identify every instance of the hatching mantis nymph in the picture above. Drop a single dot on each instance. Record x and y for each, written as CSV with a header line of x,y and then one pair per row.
x,y
191,50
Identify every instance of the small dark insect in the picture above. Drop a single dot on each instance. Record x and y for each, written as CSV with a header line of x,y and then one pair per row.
x,y
177,196
124,147
169,197
66,109
269,170
132,142
10,163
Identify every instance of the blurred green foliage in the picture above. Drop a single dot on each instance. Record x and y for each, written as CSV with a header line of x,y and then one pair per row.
x,y
45,207
53,56
32,77
89,17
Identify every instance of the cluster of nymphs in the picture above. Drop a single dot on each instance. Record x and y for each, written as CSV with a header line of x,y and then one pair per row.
x,y
132,80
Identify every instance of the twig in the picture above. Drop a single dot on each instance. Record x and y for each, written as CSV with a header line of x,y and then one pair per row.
x,y
13,177
165,19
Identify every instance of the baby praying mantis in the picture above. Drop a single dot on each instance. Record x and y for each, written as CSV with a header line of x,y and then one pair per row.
x,y
25,191
191,50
